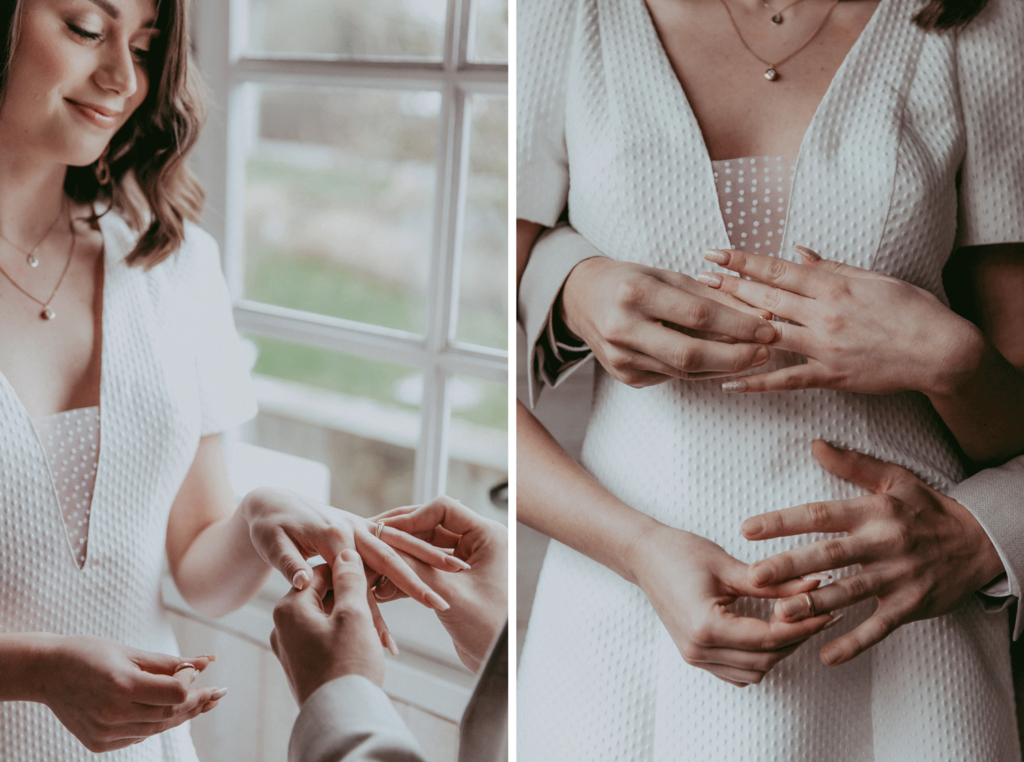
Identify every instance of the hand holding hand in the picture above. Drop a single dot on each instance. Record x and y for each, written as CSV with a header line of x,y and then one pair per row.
x,y
325,630
286,529
647,326
479,593
921,554
111,696
690,581
861,331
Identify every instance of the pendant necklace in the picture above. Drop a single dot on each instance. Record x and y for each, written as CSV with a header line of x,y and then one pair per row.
x,y
777,17
47,313
772,72
30,255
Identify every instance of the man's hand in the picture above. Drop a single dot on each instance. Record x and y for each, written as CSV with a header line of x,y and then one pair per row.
x,y
320,634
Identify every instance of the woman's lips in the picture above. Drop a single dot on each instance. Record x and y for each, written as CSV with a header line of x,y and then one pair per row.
x,y
98,115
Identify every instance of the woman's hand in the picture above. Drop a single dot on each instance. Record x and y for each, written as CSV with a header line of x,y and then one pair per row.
x,y
690,581
111,696
286,529
647,326
479,593
860,331
921,554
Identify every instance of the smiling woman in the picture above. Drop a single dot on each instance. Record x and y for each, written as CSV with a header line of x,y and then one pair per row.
x,y
114,394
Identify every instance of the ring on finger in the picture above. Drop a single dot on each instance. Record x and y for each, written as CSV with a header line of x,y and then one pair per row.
x,y
380,529
186,665
810,604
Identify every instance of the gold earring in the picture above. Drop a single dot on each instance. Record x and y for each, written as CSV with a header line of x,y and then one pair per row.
x,y
103,169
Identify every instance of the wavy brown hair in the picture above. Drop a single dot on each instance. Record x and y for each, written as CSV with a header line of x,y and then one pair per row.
x,y
150,184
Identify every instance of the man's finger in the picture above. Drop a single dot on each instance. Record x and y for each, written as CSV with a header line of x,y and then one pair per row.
x,y
821,556
844,592
870,632
826,516
863,470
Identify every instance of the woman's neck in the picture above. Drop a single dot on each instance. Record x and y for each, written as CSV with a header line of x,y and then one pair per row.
x,y
31,195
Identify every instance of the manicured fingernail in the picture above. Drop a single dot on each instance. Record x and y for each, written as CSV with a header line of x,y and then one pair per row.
x,y
761,356
830,656
818,576
765,332
218,694
734,386
300,579
832,622
717,256
790,608
384,595
390,644
710,279
807,253
208,706
436,601
762,575
458,563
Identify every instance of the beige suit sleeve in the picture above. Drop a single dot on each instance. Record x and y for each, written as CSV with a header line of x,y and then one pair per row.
x,y
995,497
351,720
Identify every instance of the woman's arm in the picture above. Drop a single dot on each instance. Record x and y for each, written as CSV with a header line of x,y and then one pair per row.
x,y
220,555
866,332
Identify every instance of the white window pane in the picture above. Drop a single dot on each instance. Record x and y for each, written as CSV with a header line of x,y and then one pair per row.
x,y
339,202
478,443
483,280
348,28
490,38
359,417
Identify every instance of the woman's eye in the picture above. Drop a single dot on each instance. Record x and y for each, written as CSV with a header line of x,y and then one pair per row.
x,y
141,55
84,33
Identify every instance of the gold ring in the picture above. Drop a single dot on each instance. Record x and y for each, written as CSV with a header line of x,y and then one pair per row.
x,y
186,665
380,529
810,604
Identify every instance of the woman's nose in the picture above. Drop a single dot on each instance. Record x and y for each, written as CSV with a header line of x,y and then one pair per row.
x,y
116,71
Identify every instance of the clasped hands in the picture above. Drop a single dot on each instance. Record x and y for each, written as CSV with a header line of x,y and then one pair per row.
x,y
921,554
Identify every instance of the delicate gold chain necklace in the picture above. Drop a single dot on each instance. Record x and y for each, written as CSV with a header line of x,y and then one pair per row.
x,y
30,255
47,313
772,72
777,18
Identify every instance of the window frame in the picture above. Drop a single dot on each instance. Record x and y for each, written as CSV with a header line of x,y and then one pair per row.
x,y
220,163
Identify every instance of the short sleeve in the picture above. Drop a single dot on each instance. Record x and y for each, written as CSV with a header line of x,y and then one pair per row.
x,y
990,63
227,397
544,41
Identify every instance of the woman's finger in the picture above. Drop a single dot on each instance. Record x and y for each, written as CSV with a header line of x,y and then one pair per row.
x,y
687,356
789,276
386,591
700,314
422,550
386,638
820,556
777,300
195,707
285,556
741,678
844,592
385,560
729,630
814,260
789,379
756,661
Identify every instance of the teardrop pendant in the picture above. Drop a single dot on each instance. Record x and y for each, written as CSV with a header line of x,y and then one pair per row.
x,y
777,19
33,260
771,75
47,314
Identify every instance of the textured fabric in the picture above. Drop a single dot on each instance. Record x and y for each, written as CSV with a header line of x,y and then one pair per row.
x,y
170,370
71,441
753,194
351,720
875,186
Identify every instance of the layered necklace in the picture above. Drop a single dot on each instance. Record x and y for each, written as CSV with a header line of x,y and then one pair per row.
x,y
47,312
772,72
30,255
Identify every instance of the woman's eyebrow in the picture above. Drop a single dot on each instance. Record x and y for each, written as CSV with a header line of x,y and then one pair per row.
x,y
115,13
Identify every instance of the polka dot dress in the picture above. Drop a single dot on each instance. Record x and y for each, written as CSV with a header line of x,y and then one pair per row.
x,y
753,194
71,440
906,157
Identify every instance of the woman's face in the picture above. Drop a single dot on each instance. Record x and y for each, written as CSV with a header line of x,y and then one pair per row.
x,y
78,72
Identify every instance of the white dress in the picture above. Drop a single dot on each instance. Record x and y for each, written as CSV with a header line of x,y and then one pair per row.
x,y
172,370
908,115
